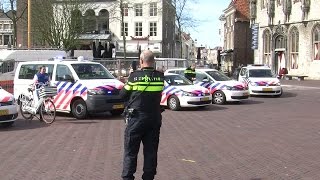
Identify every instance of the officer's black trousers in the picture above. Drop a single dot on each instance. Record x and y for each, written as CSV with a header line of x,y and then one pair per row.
x,y
146,129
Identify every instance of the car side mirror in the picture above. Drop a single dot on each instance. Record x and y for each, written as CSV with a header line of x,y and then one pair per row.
x,y
205,80
68,78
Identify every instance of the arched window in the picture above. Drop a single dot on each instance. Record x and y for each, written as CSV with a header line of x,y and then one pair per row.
x,y
267,47
294,48
103,20
316,42
89,21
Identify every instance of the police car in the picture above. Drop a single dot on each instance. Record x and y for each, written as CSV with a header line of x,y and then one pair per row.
x,y
8,109
83,87
261,80
222,88
180,92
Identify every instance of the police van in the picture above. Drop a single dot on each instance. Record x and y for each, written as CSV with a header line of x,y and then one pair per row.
x,y
83,87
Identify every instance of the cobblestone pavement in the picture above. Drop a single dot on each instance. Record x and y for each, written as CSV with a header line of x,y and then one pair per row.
x,y
261,138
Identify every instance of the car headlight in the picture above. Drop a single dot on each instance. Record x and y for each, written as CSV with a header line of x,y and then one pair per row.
x,y
231,88
188,94
96,92
253,84
278,84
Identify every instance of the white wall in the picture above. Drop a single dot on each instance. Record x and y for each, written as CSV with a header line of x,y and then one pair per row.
x,y
306,65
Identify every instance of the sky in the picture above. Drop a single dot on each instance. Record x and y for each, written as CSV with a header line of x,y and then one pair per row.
x,y
207,12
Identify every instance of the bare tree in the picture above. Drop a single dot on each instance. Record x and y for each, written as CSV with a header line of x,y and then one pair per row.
x,y
184,20
59,23
9,7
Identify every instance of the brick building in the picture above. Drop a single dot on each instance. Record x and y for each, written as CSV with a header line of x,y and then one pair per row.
x,y
237,35
289,35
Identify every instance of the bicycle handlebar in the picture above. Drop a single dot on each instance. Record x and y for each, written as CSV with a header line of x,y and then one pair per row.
x,y
38,85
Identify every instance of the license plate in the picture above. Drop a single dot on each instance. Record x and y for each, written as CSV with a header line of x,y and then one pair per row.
x,y
118,106
267,89
204,99
4,112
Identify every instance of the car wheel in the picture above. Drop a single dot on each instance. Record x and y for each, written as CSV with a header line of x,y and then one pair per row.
x,y
218,97
174,103
79,109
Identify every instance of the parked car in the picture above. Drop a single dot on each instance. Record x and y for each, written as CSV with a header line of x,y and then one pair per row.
x,y
180,92
222,88
8,109
261,80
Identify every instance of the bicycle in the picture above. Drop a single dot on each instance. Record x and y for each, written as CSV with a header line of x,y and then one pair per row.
x,y
29,108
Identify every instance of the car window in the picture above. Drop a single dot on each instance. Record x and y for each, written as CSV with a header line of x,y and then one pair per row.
x,y
91,71
200,76
62,71
180,72
27,71
177,80
218,76
260,73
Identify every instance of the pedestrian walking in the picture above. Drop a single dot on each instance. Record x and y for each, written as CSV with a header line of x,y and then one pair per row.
x,y
142,117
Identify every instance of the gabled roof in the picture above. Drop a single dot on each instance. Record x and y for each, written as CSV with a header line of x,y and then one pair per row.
x,y
242,9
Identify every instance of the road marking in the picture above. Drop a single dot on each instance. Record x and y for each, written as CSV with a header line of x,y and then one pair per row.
x,y
188,160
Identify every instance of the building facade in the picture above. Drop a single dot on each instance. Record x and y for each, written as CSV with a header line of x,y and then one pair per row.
x,y
6,30
188,46
237,36
289,35
148,24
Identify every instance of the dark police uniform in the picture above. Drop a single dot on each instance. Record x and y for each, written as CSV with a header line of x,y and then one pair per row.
x,y
190,73
143,90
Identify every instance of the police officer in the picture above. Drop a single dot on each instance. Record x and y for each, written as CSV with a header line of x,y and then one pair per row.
x,y
143,95
190,72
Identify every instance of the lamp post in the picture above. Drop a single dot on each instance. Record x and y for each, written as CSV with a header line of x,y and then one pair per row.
x,y
29,24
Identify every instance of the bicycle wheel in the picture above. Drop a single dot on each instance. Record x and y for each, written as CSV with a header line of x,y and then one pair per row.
x,y
23,104
48,111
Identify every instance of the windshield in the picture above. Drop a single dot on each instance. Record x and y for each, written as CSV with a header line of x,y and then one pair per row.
x,y
91,71
260,73
177,80
218,76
